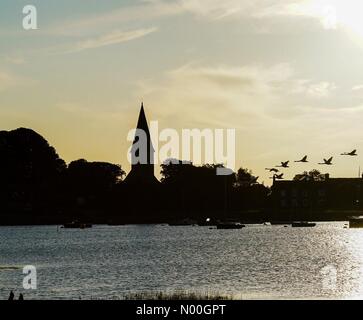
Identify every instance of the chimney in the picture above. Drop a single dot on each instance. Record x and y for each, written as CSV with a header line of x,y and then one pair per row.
x,y
327,176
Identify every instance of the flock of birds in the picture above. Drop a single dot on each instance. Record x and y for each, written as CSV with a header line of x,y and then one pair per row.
x,y
285,164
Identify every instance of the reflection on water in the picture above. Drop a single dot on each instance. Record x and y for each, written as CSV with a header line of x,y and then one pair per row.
x,y
256,262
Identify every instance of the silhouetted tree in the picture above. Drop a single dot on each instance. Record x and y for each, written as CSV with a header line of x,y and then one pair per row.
x,y
30,170
90,185
195,190
175,171
245,178
248,194
200,191
313,175
36,186
94,176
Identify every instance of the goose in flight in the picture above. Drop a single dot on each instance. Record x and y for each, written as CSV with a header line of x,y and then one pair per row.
x,y
272,170
284,165
254,180
327,162
278,176
304,159
352,153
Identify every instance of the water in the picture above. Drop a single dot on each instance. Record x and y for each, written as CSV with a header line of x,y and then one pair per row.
x,y
257,262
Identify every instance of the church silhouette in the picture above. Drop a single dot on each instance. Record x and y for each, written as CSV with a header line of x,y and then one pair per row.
x,y
142,190
142,172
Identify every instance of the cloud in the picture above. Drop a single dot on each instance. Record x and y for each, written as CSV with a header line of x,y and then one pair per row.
x,y
358,87
112,38
263,9
262,13
6,81
144,11
9,80
275,112
215,10
275,80
15,60
321,89
235,96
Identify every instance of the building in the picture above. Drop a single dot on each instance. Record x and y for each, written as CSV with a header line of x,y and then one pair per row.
x,y
142,171
325,199
142,191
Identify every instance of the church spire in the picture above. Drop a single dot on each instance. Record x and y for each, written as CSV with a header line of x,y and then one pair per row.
x,y
142,122
142,171
143,125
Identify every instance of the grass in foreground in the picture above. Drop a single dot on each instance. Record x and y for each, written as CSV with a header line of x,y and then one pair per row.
x,y
177,295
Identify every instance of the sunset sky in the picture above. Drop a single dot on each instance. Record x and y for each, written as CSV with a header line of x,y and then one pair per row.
x,y
287,75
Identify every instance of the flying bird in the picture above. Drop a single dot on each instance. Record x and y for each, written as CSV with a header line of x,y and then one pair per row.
x,y
254,180
327,162
352,153
304,159
272,169
278,176
284,165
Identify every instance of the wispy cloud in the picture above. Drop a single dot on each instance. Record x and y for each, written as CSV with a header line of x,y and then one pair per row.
x,y
151,10
215,9
6,81
235,95
113,38
274,110
144,11
263,9
9,80
322,89
17,60
212,10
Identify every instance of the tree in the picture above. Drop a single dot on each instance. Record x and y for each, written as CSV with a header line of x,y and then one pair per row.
x,y
313,175
91,190
27,156
195,190
30,170
245,178
93,177
175,171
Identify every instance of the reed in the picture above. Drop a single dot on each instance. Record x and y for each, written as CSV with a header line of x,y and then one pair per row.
x,y
176,295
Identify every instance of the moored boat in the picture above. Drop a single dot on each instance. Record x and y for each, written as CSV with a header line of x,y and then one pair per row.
x,y
207,222
76,225
356,222
230,225
282,222
303,224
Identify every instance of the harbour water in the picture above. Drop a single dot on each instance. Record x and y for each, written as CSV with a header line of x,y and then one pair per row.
x,y
256,262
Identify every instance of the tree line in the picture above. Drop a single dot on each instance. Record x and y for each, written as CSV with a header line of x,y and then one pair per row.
x,y
37,186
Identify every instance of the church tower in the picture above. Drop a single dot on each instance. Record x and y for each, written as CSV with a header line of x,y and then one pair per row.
x,y
142,171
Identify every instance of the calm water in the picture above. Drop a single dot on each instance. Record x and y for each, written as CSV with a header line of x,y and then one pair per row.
x,y
256,262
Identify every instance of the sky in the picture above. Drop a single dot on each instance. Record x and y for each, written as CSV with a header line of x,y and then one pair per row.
x,y
287,75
